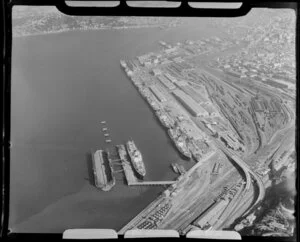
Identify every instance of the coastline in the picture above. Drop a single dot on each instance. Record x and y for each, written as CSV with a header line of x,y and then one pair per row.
x,y
86,29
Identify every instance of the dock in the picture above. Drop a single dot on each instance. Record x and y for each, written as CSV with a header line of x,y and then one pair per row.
x,y
130,176
151,183
100,172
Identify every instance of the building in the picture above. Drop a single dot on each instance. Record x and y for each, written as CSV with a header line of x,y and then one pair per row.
x,y
156,72
178,59
170,50
166,82
233,73
180,84
190,104
147,63
230,141
171,78
157,93
166,61
256,105
197,96
143,58
210,109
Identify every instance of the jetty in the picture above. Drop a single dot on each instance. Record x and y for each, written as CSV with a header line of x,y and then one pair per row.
x,y
102,172
131,179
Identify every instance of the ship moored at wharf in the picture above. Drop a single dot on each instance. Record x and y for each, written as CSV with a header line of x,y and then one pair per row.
x,y
136,158
179,169
180,143
166,121
174,167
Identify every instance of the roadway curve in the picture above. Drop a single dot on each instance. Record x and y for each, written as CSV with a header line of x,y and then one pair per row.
x,y
248,174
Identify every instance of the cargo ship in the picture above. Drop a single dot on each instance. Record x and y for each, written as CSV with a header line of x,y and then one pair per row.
x,y
179,169
164,119
179,143
175,168
197,156
195,151
136,158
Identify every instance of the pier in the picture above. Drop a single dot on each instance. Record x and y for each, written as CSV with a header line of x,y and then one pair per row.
x,y
129,174
151,183
103,162
102,173
132,179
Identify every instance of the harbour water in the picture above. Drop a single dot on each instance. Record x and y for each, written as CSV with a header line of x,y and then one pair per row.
x,y
63,86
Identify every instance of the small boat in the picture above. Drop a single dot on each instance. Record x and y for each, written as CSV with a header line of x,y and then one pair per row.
x,y
103,122
108,140
181,169
106,135
174,167
104,129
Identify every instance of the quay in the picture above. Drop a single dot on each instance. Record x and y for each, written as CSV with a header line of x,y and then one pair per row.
x,y
100,174
151,183
129,173
154,205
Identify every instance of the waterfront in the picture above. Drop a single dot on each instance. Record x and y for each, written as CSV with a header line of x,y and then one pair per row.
x,y
61,91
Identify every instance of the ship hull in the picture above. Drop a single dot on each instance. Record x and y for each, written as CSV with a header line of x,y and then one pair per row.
x,y
137,165
186,154
136,169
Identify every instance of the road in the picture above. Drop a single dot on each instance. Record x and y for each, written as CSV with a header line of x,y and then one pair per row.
x,y
251,176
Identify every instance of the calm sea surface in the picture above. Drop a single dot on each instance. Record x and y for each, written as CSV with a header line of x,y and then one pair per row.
x,y
63,85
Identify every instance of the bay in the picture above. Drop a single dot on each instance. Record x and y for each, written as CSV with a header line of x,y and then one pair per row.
x,y
63,86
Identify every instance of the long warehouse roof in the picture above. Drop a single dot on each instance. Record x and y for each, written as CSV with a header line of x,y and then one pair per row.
x,y
190,103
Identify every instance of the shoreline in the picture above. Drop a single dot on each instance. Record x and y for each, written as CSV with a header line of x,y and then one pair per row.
x,y
87,29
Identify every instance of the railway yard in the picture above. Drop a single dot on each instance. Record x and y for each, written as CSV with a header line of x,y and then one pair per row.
x,y
236,132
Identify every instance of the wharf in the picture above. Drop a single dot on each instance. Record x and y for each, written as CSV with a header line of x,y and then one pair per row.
x,y
151,183
132,179
100,174
143,214
129,174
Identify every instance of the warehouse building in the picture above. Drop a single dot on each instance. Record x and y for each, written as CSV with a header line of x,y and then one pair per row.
x,y
210,109
156,72
171,78
190,104
180,84
194,94
158,94
166,82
